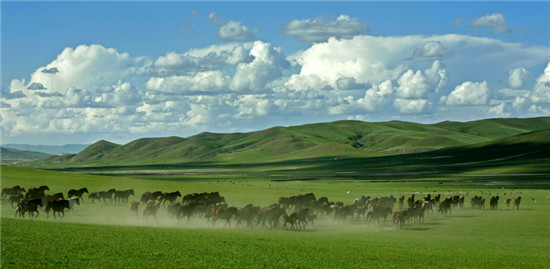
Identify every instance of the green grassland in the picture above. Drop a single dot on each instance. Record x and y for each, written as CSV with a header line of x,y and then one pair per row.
x,y
100,235
340,139
10,155
341,160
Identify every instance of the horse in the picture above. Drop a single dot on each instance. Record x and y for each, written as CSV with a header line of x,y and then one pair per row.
x,y
150,196
292,219
15,198
57,206
517,201
33,193
134,207
169,196
106,195
12,191
224,214
151,209
493,203
94,196
73,201
78,193
55,196
507,202
30,206
123,196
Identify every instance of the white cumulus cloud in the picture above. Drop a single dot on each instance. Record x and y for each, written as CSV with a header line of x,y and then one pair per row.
x,y
516,77
496,22
236,31
408,106
541,91
468,93
319,30
431,50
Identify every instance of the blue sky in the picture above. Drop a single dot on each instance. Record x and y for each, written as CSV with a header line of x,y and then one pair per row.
x,y
78,72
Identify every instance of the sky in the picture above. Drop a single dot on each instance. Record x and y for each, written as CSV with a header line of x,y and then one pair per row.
x,y
79,72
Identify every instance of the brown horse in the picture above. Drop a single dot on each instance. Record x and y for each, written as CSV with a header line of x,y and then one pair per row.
x,y
517,201
15,198
78,193
151,209
57,206
36,192
169,196
12,191
30,206
224,214
134,207
123,196
106,195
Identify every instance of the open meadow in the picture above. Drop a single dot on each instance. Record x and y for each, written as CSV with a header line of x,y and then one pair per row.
x,y
108,235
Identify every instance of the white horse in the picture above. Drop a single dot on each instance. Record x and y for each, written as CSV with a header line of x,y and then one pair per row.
x,y
72,201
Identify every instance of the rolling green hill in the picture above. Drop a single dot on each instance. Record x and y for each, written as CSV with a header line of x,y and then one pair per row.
x,y
10,155
336,139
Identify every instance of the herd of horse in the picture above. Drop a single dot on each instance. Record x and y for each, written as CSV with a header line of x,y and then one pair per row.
x,y
212,206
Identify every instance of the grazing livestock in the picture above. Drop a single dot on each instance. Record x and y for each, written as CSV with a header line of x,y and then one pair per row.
x,y
134,207
271,216
411,201
30,206
187,211
224,214
57,206
507,202
493,203
15,198
169,196
400,201
94,196
341,213
399,218
445,206
377,213
517,201
122,197
173,210
55,196
151,209
150,196
15,190
78,193
33,193
292,219
248,214
106,195
72,202
477,202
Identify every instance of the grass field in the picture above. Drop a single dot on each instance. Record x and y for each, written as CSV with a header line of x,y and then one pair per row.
x,y
101,235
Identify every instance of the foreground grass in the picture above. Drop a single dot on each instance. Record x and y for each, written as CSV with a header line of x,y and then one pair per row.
x,y
107,236
449,243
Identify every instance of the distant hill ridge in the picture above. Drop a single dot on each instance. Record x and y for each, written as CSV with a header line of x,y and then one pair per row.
x,y
339,138
10,155
65,149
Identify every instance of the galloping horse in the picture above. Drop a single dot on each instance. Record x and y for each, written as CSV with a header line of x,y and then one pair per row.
x,y
57,206
106,195
12,191
77,193
30,206
122,196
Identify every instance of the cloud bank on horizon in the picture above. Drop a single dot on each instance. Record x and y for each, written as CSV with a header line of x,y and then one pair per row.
x,y
246,83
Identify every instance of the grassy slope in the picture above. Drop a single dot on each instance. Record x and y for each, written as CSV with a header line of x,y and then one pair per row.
x,y
9,154
336,139
96,236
